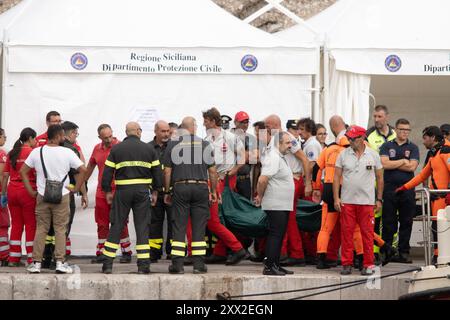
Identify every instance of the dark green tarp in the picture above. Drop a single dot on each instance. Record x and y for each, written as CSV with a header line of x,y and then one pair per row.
x,y
241,216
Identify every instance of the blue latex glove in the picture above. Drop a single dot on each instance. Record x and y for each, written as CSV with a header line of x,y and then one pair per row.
x,y
4,201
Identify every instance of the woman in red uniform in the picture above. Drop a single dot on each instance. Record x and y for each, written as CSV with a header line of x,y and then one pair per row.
x,y
21,204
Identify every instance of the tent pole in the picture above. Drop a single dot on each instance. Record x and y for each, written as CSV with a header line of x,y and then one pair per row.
x,y
315,114
4,80
326,82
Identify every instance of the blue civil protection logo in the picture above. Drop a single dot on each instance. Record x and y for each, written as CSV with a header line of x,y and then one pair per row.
x,y
79,61
393,63
249,63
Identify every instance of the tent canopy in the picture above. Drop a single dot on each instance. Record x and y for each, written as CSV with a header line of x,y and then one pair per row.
x,y
48,57
198,32
135,23
384,36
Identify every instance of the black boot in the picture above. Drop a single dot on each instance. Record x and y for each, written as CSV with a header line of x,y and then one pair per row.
x,y
199,265
332,263
386,252
155,255
236,257
321,262
48,256
213,259
98,259
143,267
346,270
358,261
126,257
107,265
271,269
286,271
177,265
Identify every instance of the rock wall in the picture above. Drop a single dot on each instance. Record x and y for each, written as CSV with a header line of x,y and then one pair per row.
x,y
274,20
271,21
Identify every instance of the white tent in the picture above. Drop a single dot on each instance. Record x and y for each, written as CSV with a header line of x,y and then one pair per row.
x,y
111,61
377,37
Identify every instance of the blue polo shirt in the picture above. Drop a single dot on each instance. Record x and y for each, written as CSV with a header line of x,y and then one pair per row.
x,y
407,150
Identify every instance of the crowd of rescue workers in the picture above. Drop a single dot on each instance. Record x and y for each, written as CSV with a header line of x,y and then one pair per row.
x,y
364,181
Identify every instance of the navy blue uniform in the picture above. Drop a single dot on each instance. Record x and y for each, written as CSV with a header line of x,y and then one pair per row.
x,y
160,211
403,202
189,158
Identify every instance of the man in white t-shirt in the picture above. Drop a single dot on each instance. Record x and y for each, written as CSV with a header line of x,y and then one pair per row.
x,y
57,163
292,248
275,194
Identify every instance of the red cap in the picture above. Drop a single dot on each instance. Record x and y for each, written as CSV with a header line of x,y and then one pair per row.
x,y
241,116
355,132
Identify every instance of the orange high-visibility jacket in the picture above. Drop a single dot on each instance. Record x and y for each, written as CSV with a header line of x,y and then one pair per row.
x,y
438,168
327,160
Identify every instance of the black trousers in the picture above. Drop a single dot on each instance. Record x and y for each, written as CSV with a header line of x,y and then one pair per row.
x,y
136,198
193,200
72,212
278,221
159,213
405,204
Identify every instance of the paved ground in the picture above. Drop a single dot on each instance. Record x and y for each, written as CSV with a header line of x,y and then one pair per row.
x,y
245,267
243,279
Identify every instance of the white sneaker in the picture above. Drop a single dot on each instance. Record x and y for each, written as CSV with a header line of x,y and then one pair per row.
x,y
63,267
34,267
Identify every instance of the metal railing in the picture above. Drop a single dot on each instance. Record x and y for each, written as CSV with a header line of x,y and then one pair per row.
x,y
426,218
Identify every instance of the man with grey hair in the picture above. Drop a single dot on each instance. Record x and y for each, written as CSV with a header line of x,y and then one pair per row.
x,y
160,210
276,197
292,248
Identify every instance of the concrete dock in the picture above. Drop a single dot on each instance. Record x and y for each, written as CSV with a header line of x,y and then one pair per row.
x,y
88,283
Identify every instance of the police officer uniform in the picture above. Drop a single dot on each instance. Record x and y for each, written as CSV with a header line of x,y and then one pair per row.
x,y
160,210
376,139
190,196
403,202
135,167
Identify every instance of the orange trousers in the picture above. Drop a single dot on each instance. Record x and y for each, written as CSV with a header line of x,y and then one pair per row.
x,y
329,221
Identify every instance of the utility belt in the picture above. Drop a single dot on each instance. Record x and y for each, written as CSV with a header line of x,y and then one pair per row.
x,y
243,177
191,182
